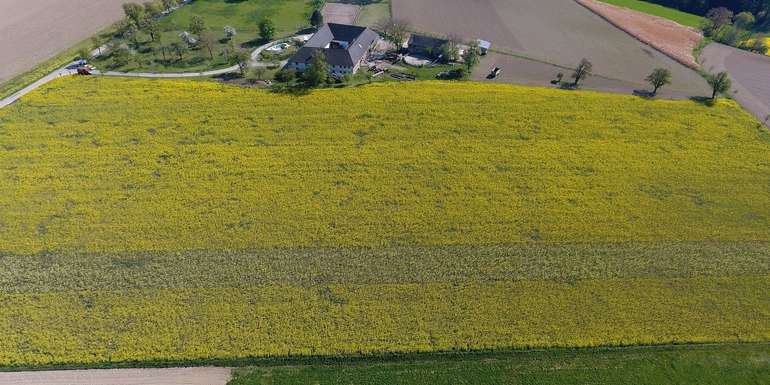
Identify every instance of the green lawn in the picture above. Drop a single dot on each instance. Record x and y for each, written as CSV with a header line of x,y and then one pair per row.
x,y
704,365
289,17
678,16
373,14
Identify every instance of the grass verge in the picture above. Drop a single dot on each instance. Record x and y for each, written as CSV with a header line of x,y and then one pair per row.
x,y
705,365
684,18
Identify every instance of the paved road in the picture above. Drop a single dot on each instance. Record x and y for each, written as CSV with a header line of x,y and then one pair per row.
x,y
172,376
750,74
66,71
70,70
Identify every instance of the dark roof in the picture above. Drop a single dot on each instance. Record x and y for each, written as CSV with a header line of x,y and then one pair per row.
x,y
426,41
359,39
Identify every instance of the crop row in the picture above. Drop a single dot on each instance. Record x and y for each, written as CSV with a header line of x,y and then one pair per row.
x,y
186,324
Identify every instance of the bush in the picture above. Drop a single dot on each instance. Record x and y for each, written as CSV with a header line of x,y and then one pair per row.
x,y
286,75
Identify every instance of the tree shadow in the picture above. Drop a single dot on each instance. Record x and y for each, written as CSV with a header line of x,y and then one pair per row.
x,y
254,43
298,89
704,100
644,94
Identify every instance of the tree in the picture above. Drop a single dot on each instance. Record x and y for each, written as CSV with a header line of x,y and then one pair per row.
x,y
395,31
153,8
582,71
448,52
471,56
744,20
241,59
318,4
266,29
132,34
256,73
720,84
230,32
317,18
121,57
134,13
197,25
759,46
209,41
720,16
227,50
179,48
97,45
318,71
84,54
286,75
152,28
659,78
169,4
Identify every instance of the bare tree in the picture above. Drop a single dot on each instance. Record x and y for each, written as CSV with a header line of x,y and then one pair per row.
x,y
209,41
395,31
582,71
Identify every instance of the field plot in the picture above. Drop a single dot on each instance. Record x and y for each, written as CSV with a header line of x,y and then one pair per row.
x,y
35,30
683,18
750,75
557,31
182,220
671,38
340,13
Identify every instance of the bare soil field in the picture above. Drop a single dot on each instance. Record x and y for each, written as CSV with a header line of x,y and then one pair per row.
x,y
529,72
171,376
669,37
32,31
750,74
556,31
340,13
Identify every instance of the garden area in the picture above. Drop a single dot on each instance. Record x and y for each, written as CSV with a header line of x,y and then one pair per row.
x,y
199,35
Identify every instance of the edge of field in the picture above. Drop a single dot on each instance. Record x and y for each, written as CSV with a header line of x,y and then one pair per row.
x,y
379,358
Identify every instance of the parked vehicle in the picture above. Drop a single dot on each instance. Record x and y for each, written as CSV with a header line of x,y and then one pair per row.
x,y
495,73
86,69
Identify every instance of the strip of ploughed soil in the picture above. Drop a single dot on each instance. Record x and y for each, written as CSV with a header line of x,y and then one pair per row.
x,y
669,37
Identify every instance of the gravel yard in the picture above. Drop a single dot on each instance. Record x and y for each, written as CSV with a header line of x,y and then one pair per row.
x,y
32,31
556,31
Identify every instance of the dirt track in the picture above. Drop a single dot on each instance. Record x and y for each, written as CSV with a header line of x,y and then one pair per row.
x,y
32,31
172,376
750,74
557,31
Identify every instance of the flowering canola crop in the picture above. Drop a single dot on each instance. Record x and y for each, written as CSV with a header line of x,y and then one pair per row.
x,y
147,220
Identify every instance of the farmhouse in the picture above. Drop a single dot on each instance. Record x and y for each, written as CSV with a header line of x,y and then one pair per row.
x,y
425,45
345,47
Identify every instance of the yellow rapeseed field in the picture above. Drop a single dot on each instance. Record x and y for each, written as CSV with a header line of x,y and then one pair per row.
x,y
134,165
164,220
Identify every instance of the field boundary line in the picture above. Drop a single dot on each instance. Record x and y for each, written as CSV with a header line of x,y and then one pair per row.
x,y
287,361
